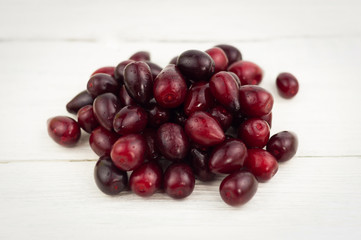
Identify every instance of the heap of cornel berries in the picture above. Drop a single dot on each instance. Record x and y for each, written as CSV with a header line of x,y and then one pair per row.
x,y
202,115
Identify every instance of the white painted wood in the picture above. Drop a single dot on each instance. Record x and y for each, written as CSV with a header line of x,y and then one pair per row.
x,y
49,48
309,198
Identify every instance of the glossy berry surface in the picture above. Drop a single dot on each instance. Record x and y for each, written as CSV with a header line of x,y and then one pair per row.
x,y
199,163
105,107
86,118
64,130
107,70
146,179
140,56
283,145
195,65
254,132
119,71
225,89
124,97
80,100
255,101
154,69
223,116
178,181
261,164
238,188
102,83
102,140
150,135
228,157
219,57
130,119
232,53
157,115
248,72
138,81
129,152
199,98
170,88
172,141
109,179
287,85
204,130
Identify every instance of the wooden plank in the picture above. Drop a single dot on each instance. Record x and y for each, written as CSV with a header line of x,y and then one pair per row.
x,y
309,198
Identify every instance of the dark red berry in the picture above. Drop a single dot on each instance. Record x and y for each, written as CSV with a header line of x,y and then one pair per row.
x,y
254,132
172,141
129,152
261,163
124,97
233,54
225,89
219,57
228,157
102,83
80,100
221,114
170,88
204,130
199,162
199,98
106,70
140,56
64,130
178,180
138,81
119,71
255,101
238,188
86,118
150,135
146,179
196,65
130,119
109,179
154,69
105,107
157,115
248,72
287,85
283,145
102,140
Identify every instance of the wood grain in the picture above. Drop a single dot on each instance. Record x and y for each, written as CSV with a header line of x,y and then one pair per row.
x,y
49,49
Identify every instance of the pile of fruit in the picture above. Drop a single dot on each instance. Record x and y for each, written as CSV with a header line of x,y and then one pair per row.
x,y
202,115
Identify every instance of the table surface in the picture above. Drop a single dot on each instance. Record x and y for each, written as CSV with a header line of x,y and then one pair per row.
x,y
49,48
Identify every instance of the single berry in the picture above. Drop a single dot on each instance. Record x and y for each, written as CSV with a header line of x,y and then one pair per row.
x,y
254,132
130,119
101,141
178,180
261,163
80,100
287,85
86,118
219,57
255,101
64,130
248,72
233,54
283,145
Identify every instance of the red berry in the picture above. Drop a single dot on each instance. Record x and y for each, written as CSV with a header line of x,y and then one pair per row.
x,y
228,157
219,57
105,107
129,152
130,119
109,179
146,179
238,188
248,72
80,100
199,98
140,56
287,85
102,140
254,132
233,54
179,180
255,101
102,83
261,163
204,130
64,130
283,145
86,118
106,70
170,88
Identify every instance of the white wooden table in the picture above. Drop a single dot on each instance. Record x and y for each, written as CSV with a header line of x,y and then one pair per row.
x,y
49,48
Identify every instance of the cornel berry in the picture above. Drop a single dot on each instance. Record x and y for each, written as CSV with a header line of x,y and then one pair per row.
x,y
201,116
